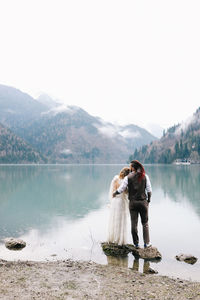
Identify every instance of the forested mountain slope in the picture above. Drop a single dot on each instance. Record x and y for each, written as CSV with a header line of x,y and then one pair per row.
x,y
180,142
15,150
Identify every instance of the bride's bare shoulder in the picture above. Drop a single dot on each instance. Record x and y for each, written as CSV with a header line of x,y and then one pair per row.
x,y
115,182
115,178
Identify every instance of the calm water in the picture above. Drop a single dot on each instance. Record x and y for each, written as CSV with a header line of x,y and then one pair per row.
x,y
62,211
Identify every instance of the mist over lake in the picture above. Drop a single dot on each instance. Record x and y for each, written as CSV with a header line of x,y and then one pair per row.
x,y
62,211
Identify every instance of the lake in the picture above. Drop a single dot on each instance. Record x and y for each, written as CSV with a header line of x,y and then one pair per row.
x,y
62,211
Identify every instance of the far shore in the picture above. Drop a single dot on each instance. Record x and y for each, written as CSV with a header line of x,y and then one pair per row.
x,y
69,279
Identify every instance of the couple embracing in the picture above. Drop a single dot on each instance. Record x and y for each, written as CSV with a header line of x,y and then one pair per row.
x,y
130,190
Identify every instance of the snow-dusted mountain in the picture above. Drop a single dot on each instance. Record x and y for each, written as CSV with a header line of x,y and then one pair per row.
x,y
68,134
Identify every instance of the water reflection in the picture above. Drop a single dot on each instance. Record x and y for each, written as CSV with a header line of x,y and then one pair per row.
x,y
177,182
32,195
141,265
118,261
61,212
146,266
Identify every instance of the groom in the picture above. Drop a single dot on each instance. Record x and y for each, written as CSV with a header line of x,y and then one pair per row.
x,y
139,194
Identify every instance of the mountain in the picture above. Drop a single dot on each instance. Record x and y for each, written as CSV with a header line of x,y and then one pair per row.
x,y
155,129
67,134
47,101
15,150
17,109
85,138
181,142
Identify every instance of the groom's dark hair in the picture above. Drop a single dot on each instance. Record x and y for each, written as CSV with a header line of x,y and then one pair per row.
x,y
139,168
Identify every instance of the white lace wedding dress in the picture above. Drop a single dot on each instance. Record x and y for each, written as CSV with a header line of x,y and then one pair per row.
x,y
119,213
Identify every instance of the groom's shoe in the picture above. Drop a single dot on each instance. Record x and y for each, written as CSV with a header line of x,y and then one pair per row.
x,y
147,245
137,246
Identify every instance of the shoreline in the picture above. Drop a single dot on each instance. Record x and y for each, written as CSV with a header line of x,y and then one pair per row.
x,y
68,279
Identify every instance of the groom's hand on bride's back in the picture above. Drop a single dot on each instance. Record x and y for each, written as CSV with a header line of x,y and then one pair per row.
x,y
115,194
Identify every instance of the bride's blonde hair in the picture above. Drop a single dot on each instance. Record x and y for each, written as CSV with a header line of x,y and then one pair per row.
x,y
124,172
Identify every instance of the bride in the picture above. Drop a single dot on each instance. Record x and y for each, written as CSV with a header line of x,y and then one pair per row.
x,y
117,229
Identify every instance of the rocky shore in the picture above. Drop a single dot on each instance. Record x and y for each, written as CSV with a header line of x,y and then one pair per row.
x,y
87,280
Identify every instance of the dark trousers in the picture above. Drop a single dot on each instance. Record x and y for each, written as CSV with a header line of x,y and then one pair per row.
x,y
139,207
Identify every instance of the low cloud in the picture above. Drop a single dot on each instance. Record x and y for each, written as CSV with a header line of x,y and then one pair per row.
x,y
66,151
112,131
130,134
107,130
184,125
56,110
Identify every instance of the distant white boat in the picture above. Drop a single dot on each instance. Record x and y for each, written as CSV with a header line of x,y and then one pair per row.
x,y
182,162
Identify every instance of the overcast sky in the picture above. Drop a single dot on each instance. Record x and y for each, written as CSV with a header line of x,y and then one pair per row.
x,y
125,61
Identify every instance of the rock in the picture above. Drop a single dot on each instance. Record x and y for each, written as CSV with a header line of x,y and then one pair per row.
x,y
150,271
14,244
2,262
188,258
150,253
111,249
